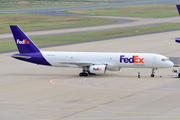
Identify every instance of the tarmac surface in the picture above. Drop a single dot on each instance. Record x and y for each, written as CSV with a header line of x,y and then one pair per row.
x,y
33,92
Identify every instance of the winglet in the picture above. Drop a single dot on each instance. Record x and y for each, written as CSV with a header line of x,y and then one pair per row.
x,y
178,8
23,42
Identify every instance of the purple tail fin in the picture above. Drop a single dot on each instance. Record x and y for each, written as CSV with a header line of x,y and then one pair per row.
x,y
178,8
24,44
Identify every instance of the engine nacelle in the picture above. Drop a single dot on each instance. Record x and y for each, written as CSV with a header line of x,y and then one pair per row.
x,y
98,69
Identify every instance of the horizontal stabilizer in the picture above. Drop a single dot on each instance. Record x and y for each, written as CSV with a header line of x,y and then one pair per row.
x,y
177,40
23,57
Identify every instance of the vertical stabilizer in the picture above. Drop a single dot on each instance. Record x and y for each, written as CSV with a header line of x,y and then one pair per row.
x,y
178,8
24,44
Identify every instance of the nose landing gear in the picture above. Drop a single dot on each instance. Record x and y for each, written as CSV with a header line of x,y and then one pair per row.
x,y
153,69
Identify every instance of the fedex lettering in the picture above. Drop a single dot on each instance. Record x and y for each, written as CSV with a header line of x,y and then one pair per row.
x,y
96,69
134,59
22,42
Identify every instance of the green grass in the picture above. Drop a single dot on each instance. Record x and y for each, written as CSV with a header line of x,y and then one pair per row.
x,y
72,38
35,5
42,22
25,4
151,11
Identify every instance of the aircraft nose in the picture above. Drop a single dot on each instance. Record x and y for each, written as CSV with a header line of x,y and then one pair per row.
x,y
171,64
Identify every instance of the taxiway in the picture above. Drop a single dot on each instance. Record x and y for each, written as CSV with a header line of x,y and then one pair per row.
x,y
36,92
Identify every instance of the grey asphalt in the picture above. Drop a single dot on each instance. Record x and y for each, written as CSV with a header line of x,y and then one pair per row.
x,y
35,92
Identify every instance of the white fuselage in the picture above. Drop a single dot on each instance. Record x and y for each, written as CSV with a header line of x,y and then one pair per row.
x,y
112,60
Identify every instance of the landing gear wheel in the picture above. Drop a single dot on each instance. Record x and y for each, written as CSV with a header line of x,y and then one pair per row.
x,y
83,74
153,69
152,75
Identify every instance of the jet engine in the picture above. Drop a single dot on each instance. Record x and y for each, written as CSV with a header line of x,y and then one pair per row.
x,y
98,69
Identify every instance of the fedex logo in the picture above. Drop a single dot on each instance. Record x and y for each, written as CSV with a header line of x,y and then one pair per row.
x,y
22,42
96,69
134,59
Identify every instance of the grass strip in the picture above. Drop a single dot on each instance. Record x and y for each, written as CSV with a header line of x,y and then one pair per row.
x,y
148,11
41,4
72,38
29,22
31,4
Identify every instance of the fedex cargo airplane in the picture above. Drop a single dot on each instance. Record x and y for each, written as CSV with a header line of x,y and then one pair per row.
x,y
91,62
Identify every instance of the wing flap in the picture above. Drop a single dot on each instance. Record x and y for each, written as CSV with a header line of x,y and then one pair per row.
x,y
80,63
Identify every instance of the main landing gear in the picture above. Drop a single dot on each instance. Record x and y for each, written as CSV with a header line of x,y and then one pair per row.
x,y
153,69
85,72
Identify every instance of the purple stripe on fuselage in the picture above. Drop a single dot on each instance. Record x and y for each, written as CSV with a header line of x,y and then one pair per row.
x,y
35,57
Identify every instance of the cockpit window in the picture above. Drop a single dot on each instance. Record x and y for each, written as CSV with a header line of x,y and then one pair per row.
x,y
165,59
175,71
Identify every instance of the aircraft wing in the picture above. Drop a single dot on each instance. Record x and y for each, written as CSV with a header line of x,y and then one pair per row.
x,y
80,63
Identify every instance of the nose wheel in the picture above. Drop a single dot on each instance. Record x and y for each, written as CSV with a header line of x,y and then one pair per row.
x,y
153,69
152,75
